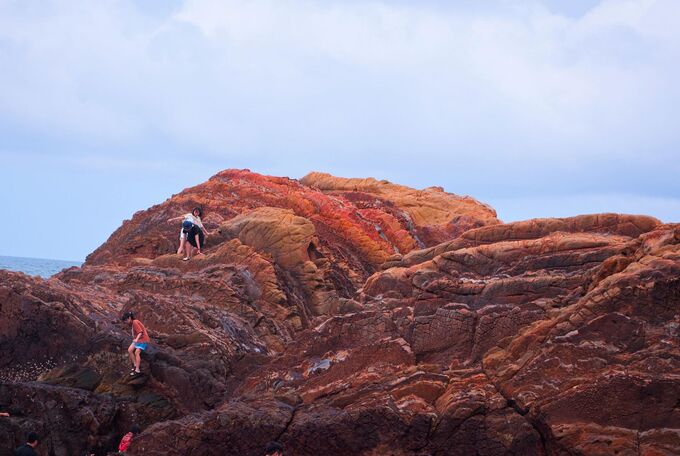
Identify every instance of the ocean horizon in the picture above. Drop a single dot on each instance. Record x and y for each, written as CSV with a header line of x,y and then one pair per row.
x,y
41,267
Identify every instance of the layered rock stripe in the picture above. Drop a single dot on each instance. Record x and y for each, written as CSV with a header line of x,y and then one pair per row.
x,y
353,317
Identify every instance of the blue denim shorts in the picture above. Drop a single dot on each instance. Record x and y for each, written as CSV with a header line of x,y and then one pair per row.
x,y
141,345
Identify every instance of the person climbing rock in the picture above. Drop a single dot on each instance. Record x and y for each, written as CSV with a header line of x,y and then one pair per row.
x,y
28,448
127,438
273,449
140,341
191,227
195,240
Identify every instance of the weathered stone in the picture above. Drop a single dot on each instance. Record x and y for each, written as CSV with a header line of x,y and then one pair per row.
x,y
313,321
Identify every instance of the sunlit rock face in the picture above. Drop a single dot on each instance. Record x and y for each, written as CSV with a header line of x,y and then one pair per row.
x,y
353,317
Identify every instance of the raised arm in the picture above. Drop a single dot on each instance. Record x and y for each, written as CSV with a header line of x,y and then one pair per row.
x,y
199,222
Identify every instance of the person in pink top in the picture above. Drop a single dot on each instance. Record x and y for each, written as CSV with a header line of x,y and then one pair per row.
x,y
140,341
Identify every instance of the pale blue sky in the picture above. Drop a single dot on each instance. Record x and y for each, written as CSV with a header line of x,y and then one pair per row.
x,y
539,108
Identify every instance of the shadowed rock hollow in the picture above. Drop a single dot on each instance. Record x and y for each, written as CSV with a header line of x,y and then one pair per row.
x,y
353,317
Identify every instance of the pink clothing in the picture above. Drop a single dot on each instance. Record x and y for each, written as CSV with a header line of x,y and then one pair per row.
x,y
125,442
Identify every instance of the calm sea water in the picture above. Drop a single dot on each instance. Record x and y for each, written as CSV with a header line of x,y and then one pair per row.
x,y
35,266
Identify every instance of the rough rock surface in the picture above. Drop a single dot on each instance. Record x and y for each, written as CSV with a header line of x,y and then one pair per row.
x,y
431,215
353,317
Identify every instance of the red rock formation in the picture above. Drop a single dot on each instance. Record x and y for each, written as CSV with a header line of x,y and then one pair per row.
x,y
426,217
313,321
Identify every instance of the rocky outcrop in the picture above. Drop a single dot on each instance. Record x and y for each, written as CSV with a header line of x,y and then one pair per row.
x,y
314,319
431,215
362,229
601,376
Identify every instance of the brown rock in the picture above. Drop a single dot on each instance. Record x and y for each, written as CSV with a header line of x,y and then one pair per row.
x,y
313,321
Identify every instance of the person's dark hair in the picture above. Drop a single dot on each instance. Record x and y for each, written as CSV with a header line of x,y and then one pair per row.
x,y
135,429
126,316
273,447
32,437
199,209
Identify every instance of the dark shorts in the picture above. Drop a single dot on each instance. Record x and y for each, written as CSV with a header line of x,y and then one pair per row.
x,y
191,236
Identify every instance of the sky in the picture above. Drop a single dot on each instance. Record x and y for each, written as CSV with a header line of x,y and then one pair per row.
x,y
545,108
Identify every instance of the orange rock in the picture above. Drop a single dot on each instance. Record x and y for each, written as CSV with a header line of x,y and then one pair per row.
x,y
429,213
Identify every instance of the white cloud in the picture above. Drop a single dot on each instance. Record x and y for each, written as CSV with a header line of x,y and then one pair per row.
x,y
263,77
113,105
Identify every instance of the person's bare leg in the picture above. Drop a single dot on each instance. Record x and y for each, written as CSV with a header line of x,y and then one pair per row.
x,y
198,248
188,249
191,248
138,359
182,242
131,353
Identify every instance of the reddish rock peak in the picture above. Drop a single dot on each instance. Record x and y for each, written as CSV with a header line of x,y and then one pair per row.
x,y
365,226
432,209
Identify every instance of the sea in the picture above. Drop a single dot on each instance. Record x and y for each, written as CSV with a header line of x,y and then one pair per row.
x,y
35,266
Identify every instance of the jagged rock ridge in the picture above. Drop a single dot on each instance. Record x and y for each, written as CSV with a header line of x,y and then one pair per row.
x,y
354,316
